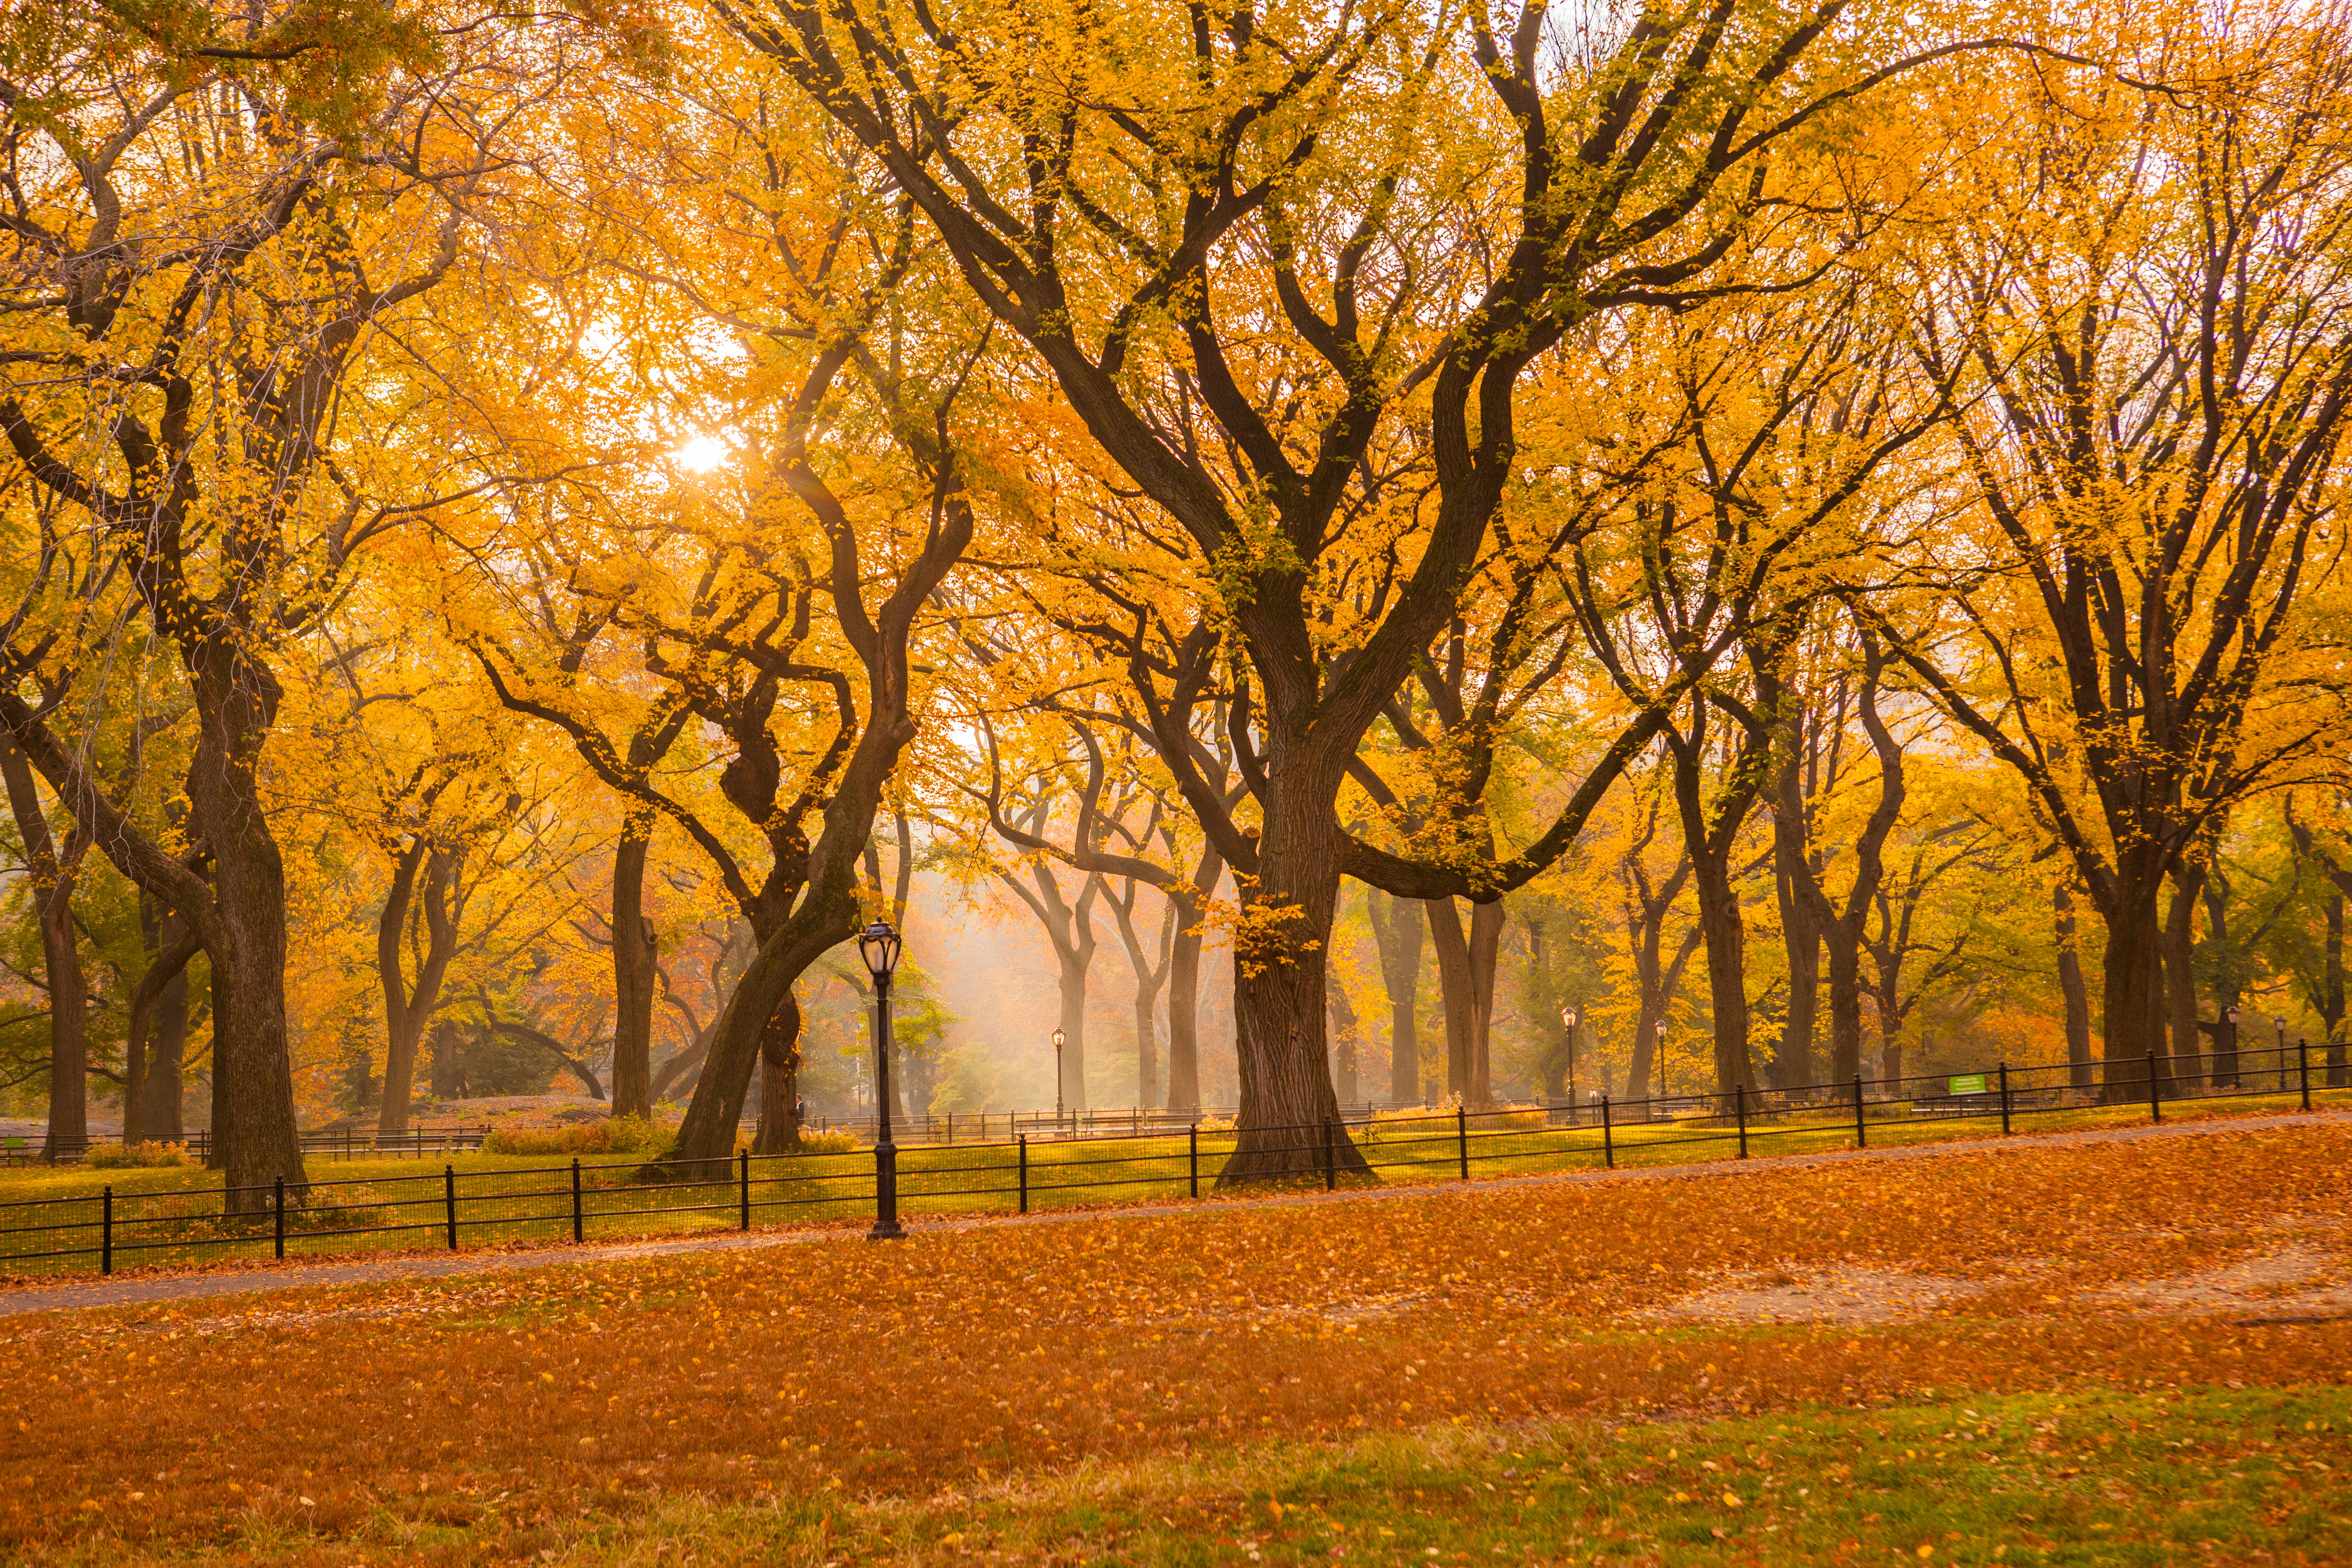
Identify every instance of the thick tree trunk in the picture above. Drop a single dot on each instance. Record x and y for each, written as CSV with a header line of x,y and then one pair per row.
x,y
1397,933
1184,985
1147,1042
1845,1001
1465,971
635,977
1278,980
254,1138
1457,990
2080,1071
2332,989
1801,933
53,871
2181,977
1344,1036
448,1068
1073,1024
2131,1027
408,1007
157,1030
779,1130
163,1108
1727,975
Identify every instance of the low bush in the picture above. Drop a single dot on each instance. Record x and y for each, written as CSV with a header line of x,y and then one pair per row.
x,y
831,1141
613,1135
136,1156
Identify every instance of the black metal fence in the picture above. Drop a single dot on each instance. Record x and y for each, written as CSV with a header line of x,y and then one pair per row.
x,y
144,1224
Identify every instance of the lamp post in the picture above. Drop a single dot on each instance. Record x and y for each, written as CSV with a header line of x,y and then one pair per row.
x,y
2282,1050
2225,1075
1568,1018
878,945
1662,1056
1057,1080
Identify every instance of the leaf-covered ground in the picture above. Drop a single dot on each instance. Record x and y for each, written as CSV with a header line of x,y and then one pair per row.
x,y
2114,1353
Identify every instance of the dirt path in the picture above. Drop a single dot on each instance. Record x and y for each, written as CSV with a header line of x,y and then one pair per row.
x,y
161,1288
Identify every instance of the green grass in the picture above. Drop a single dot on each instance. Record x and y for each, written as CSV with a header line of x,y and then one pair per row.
x,y
2087,1477
172,1217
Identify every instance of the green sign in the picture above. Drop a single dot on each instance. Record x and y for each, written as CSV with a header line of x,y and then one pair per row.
x,y
1968,1083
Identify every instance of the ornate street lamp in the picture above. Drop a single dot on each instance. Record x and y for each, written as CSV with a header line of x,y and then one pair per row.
x,y
1662,1056
2225,1071
1568,1018
878,945
1057,1078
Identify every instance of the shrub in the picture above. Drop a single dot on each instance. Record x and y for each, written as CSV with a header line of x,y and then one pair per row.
x,y
831,1141
613,1135
131,1156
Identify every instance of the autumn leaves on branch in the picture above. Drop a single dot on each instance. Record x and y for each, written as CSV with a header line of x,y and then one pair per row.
x,y
1205,440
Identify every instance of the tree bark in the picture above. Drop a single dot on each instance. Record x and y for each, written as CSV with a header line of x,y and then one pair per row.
x,y
53,869
1184,982
2181,976
157,1031
1279,960
1397,932
1344,1036
778,1131
1457,991
420,880
2080,1070
254,1137
2131,1025
1800,932
634,952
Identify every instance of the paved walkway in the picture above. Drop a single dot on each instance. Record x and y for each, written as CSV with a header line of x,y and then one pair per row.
x,y
163,1287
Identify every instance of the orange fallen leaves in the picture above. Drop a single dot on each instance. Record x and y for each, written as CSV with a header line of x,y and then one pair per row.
x,y
989,1353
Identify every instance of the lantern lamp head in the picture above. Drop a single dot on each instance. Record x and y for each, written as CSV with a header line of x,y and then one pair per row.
x,y
878,945
1057,1039
2230,1014
1568,1016
1662,1029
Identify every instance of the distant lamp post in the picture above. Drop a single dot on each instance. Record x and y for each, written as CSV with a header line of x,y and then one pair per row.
x,y
1662,1056
1057,1078
878,945
2225,1073
2281,1058
1568,1019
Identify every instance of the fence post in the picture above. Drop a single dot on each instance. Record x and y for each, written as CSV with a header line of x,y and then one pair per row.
x,y
1192,1142
2155,1106
578,1217
1021,1138
419,1130
2303,1069
744,1193
2004,1100
450,1201
1740,1109
1861,1128
1331,1164
1608,1136
1462,1140
279,1211
106,1233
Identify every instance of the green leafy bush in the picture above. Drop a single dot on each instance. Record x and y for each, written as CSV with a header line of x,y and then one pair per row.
x,y
613,1135
830,1141
135,1156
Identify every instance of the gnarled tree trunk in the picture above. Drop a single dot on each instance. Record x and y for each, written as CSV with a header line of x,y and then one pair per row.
x,y
634,951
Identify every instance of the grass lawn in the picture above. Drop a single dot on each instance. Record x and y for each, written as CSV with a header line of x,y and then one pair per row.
x,y
171,1217
2121,1353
